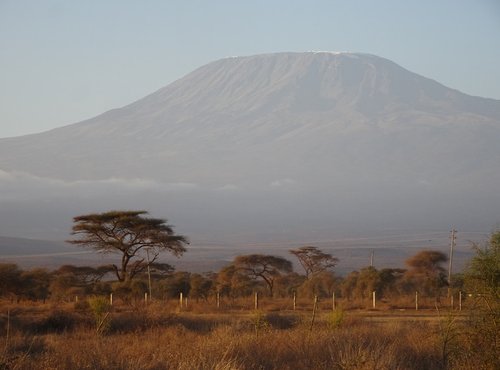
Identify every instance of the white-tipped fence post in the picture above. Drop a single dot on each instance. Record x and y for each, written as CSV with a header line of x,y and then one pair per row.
x,y
146,298
218,300
256,300
333,301
416,301
374,299
294,301
110,299
180,300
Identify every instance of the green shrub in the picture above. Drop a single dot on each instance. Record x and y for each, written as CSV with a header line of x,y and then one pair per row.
x,y
101,308
335,318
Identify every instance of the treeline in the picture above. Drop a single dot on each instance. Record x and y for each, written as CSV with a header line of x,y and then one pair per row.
x,y
269,275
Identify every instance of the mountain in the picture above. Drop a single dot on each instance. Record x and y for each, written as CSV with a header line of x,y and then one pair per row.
x,y
323,138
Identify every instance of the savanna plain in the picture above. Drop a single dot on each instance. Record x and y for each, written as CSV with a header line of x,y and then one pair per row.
x,y
92,334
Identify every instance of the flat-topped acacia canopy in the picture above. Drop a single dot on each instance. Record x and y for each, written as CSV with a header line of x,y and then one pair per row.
x,y
129,233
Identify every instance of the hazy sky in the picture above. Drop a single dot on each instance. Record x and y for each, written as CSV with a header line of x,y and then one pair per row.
x,y
64,61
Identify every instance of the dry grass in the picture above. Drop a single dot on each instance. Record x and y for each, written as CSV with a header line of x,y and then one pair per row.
x,y
157,337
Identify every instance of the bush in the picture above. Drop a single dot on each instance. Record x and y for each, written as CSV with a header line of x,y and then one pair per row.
x,y
56,322
278,321
101,308
335,318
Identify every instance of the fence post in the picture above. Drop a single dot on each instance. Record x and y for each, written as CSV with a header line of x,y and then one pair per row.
x,y
416,301
315,306
256,300
294,301
180,301
373,294
333,301
460,301
218,300
110,299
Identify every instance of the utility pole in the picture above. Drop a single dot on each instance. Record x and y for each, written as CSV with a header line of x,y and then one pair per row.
x,y
453,239
149,275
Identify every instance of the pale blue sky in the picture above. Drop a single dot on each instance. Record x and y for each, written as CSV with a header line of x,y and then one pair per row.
x,y
63,61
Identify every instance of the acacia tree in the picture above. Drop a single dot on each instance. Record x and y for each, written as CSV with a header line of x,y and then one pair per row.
x,y
427,272
233,283
265,267
130,234
313,260
10,279
76,280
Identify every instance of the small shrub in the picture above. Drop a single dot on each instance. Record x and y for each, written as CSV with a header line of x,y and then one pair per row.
x,y
56,322
335,318
259,322
101,309
283,322
81,306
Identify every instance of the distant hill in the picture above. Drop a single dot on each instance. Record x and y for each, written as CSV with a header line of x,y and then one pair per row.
x,y
29,253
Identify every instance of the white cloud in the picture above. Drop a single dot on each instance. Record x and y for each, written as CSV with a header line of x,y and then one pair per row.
x,y
24,186
228,187
282,182
424,182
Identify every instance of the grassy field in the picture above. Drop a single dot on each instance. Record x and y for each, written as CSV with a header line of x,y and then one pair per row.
x,y
161,336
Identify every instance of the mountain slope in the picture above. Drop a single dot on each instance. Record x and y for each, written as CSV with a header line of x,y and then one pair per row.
x,y
278,141
235,112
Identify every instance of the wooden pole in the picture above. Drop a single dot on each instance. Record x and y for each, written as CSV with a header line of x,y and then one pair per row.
x,y
315,306
218,300
149,275
256,300
333,301
460,301
180,300
374,299
450,265
416,301
146,298
110,299
7,334
294,301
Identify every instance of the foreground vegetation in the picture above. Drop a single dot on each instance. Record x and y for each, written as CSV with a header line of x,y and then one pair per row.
x,y
158,336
